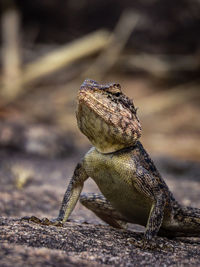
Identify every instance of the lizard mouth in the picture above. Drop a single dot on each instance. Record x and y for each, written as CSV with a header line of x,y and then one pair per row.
x,y
98,103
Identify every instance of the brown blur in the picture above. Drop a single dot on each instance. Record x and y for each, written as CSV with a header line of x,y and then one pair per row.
x,y
150,47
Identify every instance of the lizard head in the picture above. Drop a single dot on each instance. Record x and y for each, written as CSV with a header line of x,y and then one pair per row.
x,y
107,117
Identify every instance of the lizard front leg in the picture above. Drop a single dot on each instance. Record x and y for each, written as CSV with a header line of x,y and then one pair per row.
x,y
70,199
152,189
155,217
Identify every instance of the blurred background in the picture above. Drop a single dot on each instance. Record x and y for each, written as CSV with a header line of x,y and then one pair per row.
x,y
48,48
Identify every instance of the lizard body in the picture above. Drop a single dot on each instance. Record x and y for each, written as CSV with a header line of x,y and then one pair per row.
x,y
132,189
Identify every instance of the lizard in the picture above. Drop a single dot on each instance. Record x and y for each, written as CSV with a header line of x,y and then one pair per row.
x,y
132,189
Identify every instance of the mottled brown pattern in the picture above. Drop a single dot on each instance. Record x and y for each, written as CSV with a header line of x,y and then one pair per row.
x,y
132,189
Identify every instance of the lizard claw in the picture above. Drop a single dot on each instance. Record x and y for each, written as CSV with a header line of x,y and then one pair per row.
x,y
154,244
145,243
43,221
54,222
31,219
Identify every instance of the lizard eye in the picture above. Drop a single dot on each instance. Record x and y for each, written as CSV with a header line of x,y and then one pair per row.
x,y
117,94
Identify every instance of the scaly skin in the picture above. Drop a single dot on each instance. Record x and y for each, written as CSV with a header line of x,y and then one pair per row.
x,y
132,189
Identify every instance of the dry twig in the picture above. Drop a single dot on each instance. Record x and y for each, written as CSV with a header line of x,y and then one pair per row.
x,y
117,41
54,61
168,99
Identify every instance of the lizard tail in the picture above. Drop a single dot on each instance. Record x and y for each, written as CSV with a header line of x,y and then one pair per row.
x,y
185,223
188,222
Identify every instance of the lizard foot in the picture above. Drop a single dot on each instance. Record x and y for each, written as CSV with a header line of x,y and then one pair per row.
x,y
43,221
145,244
152,244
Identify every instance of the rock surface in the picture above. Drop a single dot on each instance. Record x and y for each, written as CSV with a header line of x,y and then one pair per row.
x,y
88,245
79,243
